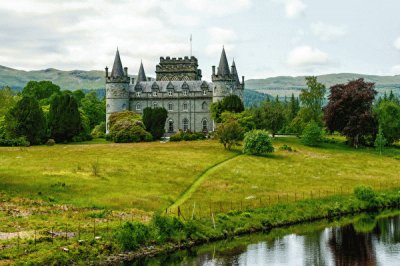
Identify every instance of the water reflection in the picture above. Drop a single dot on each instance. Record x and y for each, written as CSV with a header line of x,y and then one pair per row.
x,y
366,240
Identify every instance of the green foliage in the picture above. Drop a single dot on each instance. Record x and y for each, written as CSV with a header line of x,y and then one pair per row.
x,y
154,120
99,131
231,103
257,142
187,135
128,130
366,194
270,116
93,108
132,235
312,100
380,141
51,142
229,133
114,117
312,134
388,113
245,119
21,142
167,228
7,100
41,90
26,119
64,118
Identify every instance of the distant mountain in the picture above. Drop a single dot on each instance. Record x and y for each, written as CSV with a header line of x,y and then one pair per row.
x,y
284,85
68,80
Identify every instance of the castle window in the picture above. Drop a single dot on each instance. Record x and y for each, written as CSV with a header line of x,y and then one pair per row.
x,y
154,93
170,107
204,106
108,107
124,107
170,125
185,106
170,93
155,105
138,94
204,125
185,124
204,92
138,107
185,92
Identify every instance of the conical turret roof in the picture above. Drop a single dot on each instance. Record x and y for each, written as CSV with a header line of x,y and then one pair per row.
x,y
234,71
141,74
223,68
117,69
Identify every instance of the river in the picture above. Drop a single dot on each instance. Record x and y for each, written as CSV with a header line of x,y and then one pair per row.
x,y
366,239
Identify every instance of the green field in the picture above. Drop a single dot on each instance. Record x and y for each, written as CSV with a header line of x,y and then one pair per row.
x,y
86,189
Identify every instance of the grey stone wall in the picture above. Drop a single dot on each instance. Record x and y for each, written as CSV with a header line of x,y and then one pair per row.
x,y
117,99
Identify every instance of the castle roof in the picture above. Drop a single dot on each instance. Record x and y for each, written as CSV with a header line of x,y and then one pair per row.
x,y
191,85
141,74
223,68
234,71
117,69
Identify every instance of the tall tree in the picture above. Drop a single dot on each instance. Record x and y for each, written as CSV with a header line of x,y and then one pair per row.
x,y
64,118
312,100
349,111
94,109
231,103
293,108
154,120
7,100
272,117
26,119
41,90
388,113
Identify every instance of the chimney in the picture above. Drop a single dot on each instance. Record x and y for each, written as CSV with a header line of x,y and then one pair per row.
x,y
213,70
106,72
133,81
126,71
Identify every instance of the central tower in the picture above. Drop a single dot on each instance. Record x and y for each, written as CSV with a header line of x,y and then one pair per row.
x,y
172,69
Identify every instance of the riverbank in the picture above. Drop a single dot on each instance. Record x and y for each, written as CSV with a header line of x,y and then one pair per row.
x,y
237,223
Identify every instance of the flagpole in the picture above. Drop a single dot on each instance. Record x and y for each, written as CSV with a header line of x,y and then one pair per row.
x,y
190,45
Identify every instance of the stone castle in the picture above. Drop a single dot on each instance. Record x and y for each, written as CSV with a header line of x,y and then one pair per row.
x,y
178,88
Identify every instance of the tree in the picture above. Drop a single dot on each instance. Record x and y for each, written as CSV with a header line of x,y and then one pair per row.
x,y
26,119
388,113
349,111
293,108
64,118
231,103
312,100
93,108
41,90
229,133
273,117
245,119
128,130
380,141
257,142
312,134
154,120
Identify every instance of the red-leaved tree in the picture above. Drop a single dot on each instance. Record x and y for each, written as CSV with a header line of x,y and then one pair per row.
x,y
349,111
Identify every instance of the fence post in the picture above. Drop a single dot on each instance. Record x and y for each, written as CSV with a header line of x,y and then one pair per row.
x,y
94,227
79,230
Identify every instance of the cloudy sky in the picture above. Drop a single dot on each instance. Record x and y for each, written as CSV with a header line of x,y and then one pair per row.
x,y
266,37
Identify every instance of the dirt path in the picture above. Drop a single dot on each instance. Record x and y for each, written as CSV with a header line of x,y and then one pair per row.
x,y
197,182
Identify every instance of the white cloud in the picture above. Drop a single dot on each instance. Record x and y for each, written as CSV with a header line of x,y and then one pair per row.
x,y
218,37
397,43
306,57
294,8
395,70
218,8
327,32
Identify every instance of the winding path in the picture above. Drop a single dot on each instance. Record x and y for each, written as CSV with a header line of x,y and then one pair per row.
x,y
197,182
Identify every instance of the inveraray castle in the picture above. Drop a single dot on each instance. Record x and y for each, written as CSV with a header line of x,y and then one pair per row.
x,y
178,88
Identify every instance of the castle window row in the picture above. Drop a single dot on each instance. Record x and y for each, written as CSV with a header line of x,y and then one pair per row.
x,y
185,125
185,106
170,93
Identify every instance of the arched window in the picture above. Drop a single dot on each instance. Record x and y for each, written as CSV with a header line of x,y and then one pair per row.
x,y
185,124
138,107
204,125
170,107
108,107
185,106
170,125
124,107
204,106
155,105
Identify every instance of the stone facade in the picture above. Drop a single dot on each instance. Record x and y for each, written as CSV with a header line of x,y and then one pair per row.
x,y
178,88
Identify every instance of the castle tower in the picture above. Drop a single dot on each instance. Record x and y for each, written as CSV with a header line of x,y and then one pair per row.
x,y
226,81
117,89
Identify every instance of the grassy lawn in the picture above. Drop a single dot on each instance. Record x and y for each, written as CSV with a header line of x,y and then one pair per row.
x,y
332,168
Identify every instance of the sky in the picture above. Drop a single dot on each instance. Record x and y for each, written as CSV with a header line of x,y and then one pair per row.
x,y
265,37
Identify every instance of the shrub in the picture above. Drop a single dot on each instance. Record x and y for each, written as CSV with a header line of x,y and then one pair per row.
x,y
50,142
99,131
364,193
312,134
229,133
187,135
132,235
154,120
285,147
114,117
128,130
21,142
168,228
257,142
